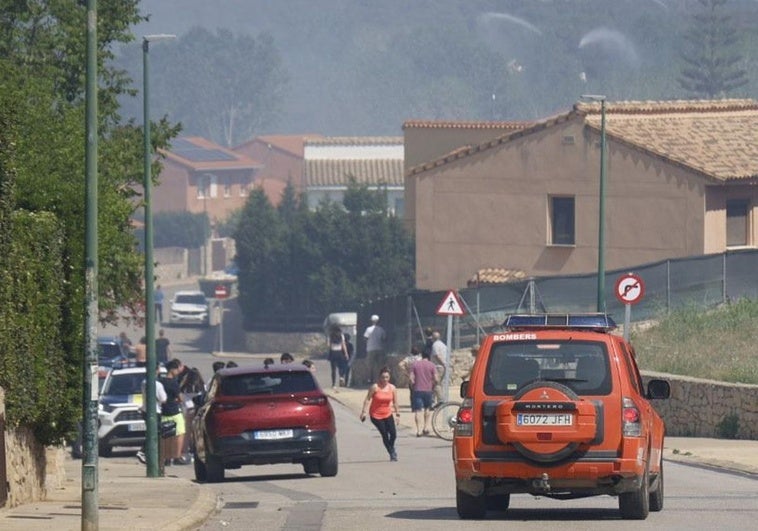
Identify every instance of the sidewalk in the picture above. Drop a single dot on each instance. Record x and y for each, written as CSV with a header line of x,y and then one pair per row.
x,y
127,499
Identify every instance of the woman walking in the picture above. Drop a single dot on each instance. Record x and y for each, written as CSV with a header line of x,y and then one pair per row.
x,y
337,355
380,403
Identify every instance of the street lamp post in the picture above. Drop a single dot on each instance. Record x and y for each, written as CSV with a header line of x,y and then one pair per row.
x,y
151,416
601,207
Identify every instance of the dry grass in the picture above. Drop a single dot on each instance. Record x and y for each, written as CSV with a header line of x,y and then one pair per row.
x,y
719,344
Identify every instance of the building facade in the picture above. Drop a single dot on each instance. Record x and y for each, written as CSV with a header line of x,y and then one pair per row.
x,y
681,180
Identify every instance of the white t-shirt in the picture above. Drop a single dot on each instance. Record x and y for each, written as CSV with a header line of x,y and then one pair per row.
x,y
374,338
160,396
439,349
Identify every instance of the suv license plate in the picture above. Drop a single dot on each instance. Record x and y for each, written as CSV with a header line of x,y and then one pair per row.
x,y
272,435
544,419
137,426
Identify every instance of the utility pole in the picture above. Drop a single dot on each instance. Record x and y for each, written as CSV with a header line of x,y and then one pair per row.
x,y
89,521
151,416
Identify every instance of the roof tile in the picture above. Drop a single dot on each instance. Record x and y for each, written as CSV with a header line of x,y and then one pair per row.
x,y
335,172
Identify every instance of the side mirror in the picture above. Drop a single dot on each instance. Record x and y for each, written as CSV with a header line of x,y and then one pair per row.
x,y
464,389
658,389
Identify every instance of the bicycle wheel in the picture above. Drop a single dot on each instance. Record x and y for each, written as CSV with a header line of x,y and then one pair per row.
x,y
444,419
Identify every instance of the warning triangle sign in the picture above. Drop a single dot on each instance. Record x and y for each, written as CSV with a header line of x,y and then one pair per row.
x,y
451,305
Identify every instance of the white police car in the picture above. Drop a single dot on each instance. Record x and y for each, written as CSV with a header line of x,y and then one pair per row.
x,y
119,417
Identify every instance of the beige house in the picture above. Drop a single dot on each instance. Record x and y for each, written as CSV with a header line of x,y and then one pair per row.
x,y
681,180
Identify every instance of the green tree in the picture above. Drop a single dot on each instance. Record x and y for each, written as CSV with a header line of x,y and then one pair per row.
x,y
710,55
219,85
180,229
42,82
296,262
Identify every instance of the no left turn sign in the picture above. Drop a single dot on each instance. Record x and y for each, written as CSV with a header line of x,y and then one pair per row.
x,y
629,288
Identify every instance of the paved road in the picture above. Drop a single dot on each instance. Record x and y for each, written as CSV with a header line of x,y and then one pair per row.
x,y
417,493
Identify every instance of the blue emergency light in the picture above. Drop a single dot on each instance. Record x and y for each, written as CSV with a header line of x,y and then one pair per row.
x,y
594,321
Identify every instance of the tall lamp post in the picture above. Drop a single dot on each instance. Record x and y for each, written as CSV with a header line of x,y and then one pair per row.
x,y
151,420
601,207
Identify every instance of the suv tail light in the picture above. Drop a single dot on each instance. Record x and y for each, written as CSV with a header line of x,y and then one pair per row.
x,y
312,400
464,426
630,417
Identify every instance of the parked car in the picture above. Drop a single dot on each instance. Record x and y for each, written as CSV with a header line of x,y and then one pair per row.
x,y
556,408
120,420
189,307
257,416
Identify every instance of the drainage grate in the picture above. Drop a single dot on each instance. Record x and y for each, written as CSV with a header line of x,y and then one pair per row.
x,y
240,505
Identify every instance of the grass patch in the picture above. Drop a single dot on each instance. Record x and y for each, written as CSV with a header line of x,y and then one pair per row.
x,y
716,344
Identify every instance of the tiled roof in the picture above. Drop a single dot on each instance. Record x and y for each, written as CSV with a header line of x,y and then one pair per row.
x,y
335,172
442,124
355,141
716,138
292,144
493,275
200,154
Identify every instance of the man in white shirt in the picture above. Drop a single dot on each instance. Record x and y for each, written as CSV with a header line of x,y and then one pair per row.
x,y
375,337
441,360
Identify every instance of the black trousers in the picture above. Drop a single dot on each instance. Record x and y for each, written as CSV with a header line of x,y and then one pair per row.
x,y
388,432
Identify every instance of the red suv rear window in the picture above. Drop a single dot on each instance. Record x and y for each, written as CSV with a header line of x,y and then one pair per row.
x,y
580,365
267,383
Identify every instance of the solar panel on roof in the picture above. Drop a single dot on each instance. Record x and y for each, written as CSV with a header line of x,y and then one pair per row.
x,y
187,150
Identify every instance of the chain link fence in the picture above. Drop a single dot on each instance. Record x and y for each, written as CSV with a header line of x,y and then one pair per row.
x,y
701,281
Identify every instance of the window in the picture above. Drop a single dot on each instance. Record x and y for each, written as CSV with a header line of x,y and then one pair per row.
x,y
562,221
206,186
244,187
736,222
227,189
582,366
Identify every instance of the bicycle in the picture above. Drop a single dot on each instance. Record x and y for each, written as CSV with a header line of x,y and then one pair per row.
x,y
444,419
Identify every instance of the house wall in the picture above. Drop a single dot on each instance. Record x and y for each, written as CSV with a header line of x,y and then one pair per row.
x,y
277,163
490,209
178,188
424,144
170,193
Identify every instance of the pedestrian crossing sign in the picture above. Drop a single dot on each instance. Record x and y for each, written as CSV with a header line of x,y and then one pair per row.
x,y
451,305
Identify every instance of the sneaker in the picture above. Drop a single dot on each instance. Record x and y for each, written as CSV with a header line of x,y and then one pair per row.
x,y
141,457
342,381
181,461
393,455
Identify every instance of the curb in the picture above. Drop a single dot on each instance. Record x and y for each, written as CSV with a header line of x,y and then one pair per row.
x,y
205,505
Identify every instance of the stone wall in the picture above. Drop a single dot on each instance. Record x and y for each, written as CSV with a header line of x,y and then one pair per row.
x,y
707,408
697,407
31,468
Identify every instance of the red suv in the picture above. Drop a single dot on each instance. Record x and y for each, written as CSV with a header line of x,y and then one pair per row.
x,y
257,416
556,407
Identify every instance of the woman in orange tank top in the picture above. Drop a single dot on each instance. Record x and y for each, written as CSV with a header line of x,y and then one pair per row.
x,y
380,403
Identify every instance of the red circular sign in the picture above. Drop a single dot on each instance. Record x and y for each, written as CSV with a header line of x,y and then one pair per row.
x,y
221,292
629,288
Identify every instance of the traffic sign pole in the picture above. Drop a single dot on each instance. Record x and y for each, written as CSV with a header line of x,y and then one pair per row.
x,y
449,362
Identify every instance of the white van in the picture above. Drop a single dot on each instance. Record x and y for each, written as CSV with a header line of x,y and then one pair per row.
x,y
347,321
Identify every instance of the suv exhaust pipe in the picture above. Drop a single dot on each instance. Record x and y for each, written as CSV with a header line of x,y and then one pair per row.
x,y
542,484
